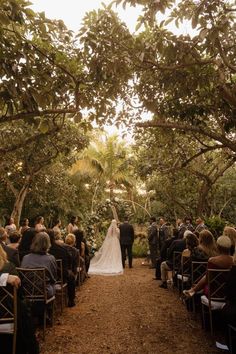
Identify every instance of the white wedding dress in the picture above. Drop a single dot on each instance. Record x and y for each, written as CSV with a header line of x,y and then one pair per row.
x,y
108,261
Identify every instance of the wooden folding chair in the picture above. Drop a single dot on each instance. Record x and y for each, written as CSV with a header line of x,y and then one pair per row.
x,y
198,270
8,313
61,287
231,330
34,286
216,279
176,264
185,273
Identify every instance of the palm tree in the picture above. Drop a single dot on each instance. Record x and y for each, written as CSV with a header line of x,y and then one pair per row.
x,y
108,162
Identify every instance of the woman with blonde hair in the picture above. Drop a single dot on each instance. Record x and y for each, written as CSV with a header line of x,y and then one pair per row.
x,y
207,247
231,233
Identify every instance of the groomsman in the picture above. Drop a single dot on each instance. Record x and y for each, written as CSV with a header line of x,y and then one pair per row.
x,y
126,241
153,241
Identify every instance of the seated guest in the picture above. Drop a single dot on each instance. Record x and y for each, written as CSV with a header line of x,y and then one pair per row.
x,y
231,233
191,244
70,243
24,226
206,248
176,246
26,342
59,251
12,254
163,252
222,261
14,239
26,241
229,310
40,258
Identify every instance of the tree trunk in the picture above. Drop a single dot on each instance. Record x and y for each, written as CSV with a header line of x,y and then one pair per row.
x,y
19,202
203,207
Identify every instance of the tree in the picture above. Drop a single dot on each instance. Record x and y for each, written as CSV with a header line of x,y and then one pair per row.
x,y
108,162
19,171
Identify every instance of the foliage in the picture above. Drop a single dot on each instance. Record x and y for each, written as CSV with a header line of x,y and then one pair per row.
x,y
216,225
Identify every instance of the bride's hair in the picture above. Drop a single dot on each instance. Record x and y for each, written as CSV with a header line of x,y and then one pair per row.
x,y
112,228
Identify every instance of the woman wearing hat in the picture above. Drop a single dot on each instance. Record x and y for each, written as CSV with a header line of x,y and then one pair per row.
x,y
222,261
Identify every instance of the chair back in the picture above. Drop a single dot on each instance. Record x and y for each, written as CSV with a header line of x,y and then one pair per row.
x,y
33,282
8,312
198,269
177,260
216,279
59,271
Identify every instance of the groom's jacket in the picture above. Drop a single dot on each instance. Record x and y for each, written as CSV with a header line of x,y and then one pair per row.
x,y
126,234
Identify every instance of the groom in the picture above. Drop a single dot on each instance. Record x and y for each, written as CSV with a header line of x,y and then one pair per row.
x,y
126,241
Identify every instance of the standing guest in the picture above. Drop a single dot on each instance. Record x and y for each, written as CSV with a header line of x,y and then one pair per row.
x,y
14,240
72,226
200,225
206,248
81,245
163,232
126,241
26,241
12,254
40,258
24,226
10,226
57,227
39,224
153,241
231,233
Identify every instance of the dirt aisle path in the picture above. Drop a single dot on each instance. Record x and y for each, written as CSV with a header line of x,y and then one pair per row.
x,y
127,314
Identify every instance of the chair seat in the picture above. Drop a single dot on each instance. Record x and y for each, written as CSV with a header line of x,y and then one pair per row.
x,y
184,278
215,305
7,328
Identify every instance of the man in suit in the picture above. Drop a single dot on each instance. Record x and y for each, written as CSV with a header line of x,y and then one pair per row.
x,y
126,241
163,232
153,241
12,254
200,225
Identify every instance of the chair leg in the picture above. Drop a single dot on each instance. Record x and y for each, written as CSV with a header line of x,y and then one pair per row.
x,y
203,317
211,322
14,342
44,321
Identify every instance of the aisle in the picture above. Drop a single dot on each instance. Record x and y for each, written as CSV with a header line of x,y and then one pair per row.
x,y
127,314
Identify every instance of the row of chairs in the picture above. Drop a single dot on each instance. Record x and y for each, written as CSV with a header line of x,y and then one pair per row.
x,y
188,273
33,282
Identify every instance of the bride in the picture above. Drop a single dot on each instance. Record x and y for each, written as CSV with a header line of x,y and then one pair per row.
x,y
107,261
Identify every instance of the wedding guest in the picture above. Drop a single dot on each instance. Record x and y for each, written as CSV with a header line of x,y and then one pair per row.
x,y
153,241
60,252
222,261
72,226
231,233
26,241
57,227
39,224
26,341
24,226
40,258
74,252
206,248
191,244
200,225
10,226
14,239
12,254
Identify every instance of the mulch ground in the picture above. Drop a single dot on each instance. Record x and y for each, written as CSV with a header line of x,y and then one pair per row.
x,y
127,314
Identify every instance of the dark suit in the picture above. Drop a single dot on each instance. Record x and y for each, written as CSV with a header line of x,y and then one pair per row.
x,y
153,243
12,254
126,242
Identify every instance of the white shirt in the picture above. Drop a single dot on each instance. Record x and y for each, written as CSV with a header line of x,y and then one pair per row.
x,y
3,279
